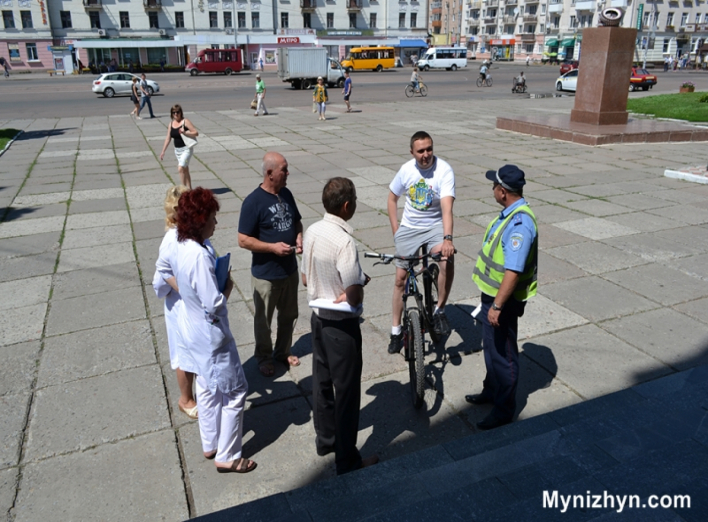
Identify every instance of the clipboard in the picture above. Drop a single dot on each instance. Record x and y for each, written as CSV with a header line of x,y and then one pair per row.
x,y
222,270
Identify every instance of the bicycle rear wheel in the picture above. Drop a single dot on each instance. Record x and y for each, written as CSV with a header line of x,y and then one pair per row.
x,y
409,91
423,91
479,82
416,360
430,283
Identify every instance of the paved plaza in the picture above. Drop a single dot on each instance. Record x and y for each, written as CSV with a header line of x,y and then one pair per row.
x,y
90,427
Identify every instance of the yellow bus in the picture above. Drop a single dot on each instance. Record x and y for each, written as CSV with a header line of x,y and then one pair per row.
x,y
373,58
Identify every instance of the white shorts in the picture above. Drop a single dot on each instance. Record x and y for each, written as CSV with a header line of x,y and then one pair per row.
x,y
184,154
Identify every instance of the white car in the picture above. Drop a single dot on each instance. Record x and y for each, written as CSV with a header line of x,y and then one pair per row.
x,y
568,81
110,84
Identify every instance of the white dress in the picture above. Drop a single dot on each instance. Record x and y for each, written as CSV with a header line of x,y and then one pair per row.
x,y
204,322
164,269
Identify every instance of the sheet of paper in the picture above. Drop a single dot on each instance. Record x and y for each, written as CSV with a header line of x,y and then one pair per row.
x,y
476,311
331,305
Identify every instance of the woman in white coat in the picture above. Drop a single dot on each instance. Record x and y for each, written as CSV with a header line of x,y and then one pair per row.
x,y
204,326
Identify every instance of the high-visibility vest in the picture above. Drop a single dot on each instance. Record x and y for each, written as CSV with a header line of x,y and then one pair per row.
x,y
489,271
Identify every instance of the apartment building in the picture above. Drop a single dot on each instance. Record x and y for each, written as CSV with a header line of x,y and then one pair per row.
x,y
35,32
553,29
446,25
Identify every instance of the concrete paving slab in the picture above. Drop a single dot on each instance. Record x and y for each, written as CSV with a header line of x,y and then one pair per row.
x,y
18,372
593,363
660,283
14,417
695,266
92,237
97,205
29,245
149,229
95,352
289,424
551,236
25,267
543,316
596,258
551,214
8,488
96,256
22,324
146,480
63,422
695,237
97,219
31,226
697,309
653,247
95,280
597,207
25,292
665,334
553,269
596,228
645,222
93,311
683,213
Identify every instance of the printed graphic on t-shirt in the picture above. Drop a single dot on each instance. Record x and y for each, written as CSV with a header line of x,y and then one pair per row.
x,y
421,195
282,217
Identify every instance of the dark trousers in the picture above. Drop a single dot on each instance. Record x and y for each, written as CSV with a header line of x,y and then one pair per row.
x,y
143,101
501,356
336,389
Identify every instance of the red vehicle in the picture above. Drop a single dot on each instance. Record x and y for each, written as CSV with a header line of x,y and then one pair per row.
x,y
225,61
641,79
568,65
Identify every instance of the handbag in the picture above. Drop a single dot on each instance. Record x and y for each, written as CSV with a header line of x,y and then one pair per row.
x,y
254,104
314,106
188,142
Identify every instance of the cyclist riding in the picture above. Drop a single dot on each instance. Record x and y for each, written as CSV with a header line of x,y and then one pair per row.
x,y
428,183
483,71
415,79
520,80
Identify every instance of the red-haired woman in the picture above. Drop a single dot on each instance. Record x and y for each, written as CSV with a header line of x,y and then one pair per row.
x,y
221,383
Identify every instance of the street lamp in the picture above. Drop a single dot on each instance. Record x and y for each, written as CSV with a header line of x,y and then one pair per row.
x,y
447,21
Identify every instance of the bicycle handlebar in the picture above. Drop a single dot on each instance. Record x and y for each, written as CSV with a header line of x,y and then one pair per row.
x,y
387,258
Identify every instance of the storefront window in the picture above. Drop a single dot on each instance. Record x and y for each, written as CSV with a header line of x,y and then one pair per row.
x,y
156,54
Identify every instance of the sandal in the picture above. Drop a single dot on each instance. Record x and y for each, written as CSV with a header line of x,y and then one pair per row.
x,y
241,465
267,369
192,413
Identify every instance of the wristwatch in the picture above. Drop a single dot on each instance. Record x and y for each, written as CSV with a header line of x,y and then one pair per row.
x,y
496,307
447,237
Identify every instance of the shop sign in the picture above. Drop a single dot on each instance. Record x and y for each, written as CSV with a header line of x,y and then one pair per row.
x,y
288,39
506,41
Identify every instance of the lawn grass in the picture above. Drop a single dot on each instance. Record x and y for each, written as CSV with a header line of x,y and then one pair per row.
x,y
683,106
6,135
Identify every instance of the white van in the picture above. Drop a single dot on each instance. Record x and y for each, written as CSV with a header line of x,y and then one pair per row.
x,y
451,58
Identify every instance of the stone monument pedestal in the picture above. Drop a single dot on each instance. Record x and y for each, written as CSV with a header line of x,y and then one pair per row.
x,y
603,77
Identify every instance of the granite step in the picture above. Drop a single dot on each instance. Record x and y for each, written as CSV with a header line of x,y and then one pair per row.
x,y
648,440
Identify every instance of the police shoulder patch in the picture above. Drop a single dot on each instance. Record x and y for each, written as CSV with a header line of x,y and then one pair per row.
x,y
516,241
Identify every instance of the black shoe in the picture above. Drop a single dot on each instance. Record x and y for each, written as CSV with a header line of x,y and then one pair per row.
x,y
479,398
395,345
325,451
440,324
492,421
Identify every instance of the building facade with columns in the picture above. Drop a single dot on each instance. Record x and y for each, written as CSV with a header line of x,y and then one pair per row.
x,y
173,31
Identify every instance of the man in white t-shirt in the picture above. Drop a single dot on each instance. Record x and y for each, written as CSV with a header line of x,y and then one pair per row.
x,y
428,184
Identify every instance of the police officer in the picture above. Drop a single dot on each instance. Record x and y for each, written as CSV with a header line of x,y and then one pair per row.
x,y
506,275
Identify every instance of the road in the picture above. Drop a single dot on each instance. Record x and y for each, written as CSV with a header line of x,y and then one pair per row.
x,y
38,96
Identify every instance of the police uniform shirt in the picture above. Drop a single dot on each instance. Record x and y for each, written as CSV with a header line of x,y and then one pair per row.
x,y
517,238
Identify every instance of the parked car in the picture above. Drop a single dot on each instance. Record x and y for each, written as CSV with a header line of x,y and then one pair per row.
x,y
641,79
567,81
119,83
568,65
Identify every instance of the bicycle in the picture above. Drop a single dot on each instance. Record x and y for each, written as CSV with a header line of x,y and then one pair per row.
x,y
412,327
487,81
410,90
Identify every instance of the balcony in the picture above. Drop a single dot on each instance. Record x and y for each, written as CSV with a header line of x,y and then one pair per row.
x,y
93,4
670,28
152,5
474,4
490,19
531,2
308,5
511,2
557,7
353,5
528,37
619,3
509,19
585,6
530,18
491,3
436,23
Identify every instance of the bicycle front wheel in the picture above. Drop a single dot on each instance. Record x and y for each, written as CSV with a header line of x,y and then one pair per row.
x,y
489,82
416,360
410,91
423,91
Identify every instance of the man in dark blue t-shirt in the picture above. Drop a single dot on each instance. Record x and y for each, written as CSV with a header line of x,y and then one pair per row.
x,y
270,227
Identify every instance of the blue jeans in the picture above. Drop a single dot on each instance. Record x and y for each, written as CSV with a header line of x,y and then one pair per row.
x,y
143,101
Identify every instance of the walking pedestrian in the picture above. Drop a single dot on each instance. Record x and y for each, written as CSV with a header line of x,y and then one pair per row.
x,y
347,91
145,96
5,67
331,271
204,320
260,96
319,96
505,273
135,98
270,227
528,60
260,63
165,285
179,127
